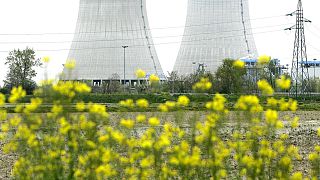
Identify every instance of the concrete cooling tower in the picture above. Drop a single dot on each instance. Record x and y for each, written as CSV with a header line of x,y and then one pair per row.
x,y
215,30
103,28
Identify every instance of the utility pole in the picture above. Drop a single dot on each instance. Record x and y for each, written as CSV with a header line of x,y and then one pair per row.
x,y
124,65
314,69
299,70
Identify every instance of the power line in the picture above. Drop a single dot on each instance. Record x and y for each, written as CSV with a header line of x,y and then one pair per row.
x,y
177,42
159,37
159,28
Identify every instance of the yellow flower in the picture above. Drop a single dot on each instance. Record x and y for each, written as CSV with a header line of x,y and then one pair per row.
x,y
57,109
3,115
127,123
319,132
70,64
297,176
141,118
285,161
283,83
203,85
154,121
154,79
127,103
16,94
295,122
183,101
142,103
46,59
140,74
163,108
82,88
238,64
313,156
271,117
265,87
2,99
264,59
80,106
147,162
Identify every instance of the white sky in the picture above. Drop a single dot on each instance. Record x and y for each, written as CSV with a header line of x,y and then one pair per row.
x,y
59,16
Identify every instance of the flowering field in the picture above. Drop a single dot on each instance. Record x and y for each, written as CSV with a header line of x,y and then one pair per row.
x,y
253,142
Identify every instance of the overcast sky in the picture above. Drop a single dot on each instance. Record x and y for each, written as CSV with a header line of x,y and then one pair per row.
x,y
60,16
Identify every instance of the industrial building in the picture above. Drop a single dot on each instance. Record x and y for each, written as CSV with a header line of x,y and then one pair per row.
x,y
215,30
112,40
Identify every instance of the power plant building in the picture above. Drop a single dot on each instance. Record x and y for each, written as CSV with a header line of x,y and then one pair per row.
x,y
215,30
112,40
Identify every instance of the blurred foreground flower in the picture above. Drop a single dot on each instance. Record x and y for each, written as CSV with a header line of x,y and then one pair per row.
x,y
142,103
140,74
70,64
264,59
183,101
2,99
16,94
203,85
238,64
46,59
265,87
154,79
284,83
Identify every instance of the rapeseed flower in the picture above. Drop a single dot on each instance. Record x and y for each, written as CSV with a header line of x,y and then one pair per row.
x,y
70,64
153,121
284,83
264,59
140,74
128,123
265,87
203,85
16,94
183,101
129,103
2,99
141,118
238,64
46,59
80,106
154,79
297,176
142,103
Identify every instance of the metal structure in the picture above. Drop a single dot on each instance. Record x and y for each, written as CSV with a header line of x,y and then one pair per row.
x,y
103,29
215,30
299,70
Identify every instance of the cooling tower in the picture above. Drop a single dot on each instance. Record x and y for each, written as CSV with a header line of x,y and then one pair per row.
x,y
215,30
103,28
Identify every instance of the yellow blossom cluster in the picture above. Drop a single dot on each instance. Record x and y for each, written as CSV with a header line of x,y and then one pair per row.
x,y
264,59
238,64
70,89
76,145
46,59
70,64
140,74
203,85
154,79
2,99
284,82
265,88
16,94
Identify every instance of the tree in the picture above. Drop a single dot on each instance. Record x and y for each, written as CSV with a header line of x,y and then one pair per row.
x,y
21,69
229,78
